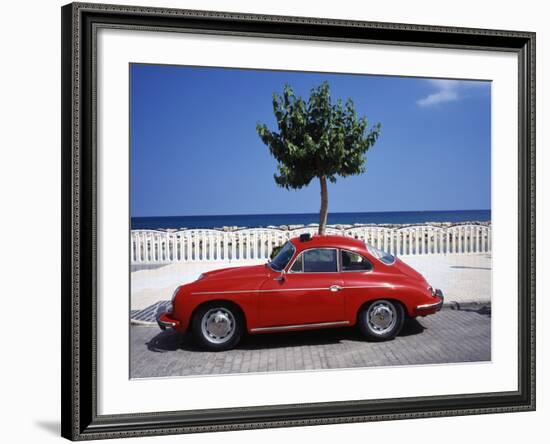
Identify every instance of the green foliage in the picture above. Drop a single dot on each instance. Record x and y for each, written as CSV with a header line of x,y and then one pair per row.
x,y
316,138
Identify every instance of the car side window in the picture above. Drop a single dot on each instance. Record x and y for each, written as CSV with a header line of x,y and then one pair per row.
x,y
297,266
354,262
319,260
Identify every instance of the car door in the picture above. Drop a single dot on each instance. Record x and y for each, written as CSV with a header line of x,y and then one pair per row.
x,y
361,282
309,292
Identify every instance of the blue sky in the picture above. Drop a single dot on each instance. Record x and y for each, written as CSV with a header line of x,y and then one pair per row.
x,y
195,150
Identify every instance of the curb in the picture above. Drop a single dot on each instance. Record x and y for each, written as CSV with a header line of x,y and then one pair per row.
x,y
142,323
468,305
148,315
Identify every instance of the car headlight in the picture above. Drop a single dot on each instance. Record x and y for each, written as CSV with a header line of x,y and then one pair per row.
x,y
171,305
175,293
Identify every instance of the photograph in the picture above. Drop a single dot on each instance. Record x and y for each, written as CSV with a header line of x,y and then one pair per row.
x,y
295,221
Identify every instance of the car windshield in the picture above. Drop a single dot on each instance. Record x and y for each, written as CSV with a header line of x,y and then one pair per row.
x,y
382,256
280,261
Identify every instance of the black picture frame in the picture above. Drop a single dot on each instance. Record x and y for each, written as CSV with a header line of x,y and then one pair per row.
x,y
79,172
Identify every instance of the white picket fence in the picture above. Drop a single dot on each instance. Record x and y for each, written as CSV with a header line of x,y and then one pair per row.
x,y
161,247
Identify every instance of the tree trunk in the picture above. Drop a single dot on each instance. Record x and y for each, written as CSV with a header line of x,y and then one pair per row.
x,y
324,205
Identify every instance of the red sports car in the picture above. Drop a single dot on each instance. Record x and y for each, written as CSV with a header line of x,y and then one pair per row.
x,y
313,282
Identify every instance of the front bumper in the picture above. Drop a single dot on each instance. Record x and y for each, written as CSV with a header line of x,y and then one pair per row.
x,y
165,321
432,307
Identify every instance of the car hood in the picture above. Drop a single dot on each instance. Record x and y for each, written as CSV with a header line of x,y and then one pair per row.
x,y
249,271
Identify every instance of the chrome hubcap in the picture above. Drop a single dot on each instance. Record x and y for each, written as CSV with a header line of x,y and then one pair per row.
x,y
381,317
218,325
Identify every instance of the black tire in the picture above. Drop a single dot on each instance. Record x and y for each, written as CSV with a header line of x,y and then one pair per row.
x,y
218,326
381,320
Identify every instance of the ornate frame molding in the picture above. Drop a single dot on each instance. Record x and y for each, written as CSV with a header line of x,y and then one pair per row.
x,y
79,392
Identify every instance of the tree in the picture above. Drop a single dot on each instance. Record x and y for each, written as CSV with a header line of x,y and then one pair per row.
x,y
316,139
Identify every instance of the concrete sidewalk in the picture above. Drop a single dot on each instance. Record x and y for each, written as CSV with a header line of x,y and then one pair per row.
x,y
464,279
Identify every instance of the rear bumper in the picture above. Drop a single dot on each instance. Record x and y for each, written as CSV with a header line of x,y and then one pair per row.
x,y
165,321
431,307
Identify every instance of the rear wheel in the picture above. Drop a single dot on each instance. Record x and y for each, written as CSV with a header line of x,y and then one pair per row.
x,y
218,326
381,320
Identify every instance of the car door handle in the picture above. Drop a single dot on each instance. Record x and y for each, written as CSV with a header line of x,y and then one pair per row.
x,y
335,288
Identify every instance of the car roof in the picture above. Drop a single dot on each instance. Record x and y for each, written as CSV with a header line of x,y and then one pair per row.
x,y
333,241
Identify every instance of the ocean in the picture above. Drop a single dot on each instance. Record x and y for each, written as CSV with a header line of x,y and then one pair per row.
x,y
264,220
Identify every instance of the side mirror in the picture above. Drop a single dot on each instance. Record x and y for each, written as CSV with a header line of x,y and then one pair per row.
x,y
281,277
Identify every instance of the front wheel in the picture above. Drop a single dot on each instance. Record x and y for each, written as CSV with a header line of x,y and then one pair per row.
x,y
218,326
381,320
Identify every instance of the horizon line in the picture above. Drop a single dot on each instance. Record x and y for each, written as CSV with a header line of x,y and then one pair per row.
x,y
312,213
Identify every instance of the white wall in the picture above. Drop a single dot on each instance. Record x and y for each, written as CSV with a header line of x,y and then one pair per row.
x,y
30,187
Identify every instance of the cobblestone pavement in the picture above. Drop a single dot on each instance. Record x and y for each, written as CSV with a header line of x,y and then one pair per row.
x,y
450,336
